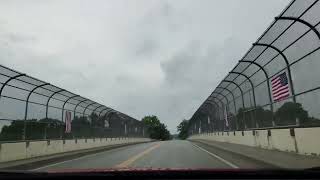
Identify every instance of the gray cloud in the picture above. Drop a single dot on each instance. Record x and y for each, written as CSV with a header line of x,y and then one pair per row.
x,y
139,57
146,47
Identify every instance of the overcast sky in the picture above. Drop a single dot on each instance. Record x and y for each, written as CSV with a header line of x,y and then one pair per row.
x,y
142,57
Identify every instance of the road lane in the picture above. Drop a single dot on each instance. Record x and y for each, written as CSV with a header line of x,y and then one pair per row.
x,y
178,154
131,160
165,154
105,159
217,157
237,159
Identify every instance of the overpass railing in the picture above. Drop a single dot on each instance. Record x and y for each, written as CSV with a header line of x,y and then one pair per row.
x,y
31,109
276,83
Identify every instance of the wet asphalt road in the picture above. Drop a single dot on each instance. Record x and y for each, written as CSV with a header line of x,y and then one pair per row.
x,y
165,154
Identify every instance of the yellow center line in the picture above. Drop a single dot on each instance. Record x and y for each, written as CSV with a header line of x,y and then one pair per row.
x,y
129,161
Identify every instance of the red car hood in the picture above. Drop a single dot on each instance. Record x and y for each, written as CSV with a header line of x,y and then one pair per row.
x,y
143,170
177,173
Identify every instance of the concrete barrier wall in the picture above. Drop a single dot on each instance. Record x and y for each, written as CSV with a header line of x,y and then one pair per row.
x,y
35,149
54,146
13,151
245,139
299,140
281,139
24,150
307,140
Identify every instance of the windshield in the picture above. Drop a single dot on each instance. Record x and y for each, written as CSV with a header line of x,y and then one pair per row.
x,y
159,84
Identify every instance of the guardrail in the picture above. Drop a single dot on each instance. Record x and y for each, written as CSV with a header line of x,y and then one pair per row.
x,y
30,149
32,109
289,140
276,82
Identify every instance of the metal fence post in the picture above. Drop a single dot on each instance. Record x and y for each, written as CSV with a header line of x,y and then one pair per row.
x,y
47,105
268,84
24,134
75,107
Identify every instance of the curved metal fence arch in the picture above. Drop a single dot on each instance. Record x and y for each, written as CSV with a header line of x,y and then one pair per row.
x,y
285,60
314,29
224,96
65,102
100,106
28,97
213,103
106,108
209,124
110,113
230,92
47,105
26,110
241,92
267,77
217,104
25,123
87,107
252,86
75,107
295,47
10,79
218,110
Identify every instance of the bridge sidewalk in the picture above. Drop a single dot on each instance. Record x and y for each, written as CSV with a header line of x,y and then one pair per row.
x,y
277,158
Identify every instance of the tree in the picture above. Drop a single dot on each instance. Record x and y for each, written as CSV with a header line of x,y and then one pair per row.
x,y
155,128
13,131
263,117
150,121
95,121
241,118
289,112
81,127
183,129
44,128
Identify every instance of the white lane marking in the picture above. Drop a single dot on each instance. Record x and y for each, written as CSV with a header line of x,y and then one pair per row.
x,y
85,156
50,165
218,157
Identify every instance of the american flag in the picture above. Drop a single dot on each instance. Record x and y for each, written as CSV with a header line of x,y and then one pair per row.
x,y
226,117
280,87
68,122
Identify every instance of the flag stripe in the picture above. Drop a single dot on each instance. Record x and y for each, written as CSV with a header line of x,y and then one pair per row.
x,y
274,80
68,122
226,116
276,83
277,87
280,87
282,96
281,93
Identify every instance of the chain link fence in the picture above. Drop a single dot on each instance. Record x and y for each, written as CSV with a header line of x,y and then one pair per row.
x,y
31,109
276,83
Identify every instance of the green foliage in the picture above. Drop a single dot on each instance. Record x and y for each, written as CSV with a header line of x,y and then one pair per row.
x,y
249,116
289,112
47,129
156,129
12,132
263,117
183,129
44,128
95,121
80,127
